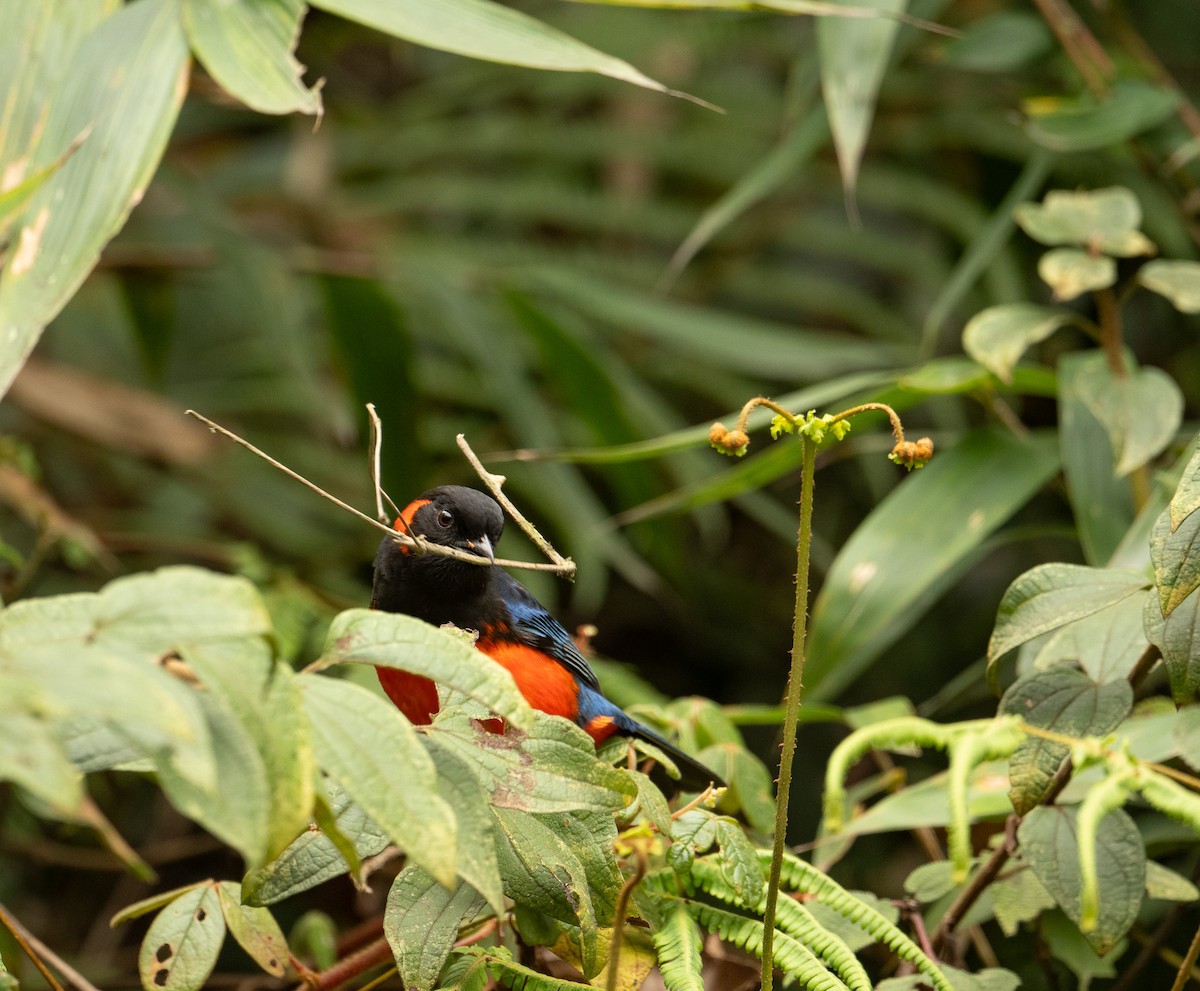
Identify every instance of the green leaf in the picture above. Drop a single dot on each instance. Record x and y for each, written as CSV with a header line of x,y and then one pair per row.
x,y
368,636
1018,898
553,768
32,757
263,696
1000,42
931,881
678,942
1176,559
180,949
255,929
915,544
476,855
421,923
1070,272
854,54
1176,638
739,861
1187,735
542,871
1186,499
1106,644
1104,220
236,808
1063,700
247,46
372,751
1141,410
1168,885
1130,108
1179,281
313,858
998,336
1050,847
988,979
125,81
14,198
1068,944
1102,502
484,30
1052,595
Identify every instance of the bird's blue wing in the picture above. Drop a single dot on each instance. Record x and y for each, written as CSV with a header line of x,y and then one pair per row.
x,y
531,624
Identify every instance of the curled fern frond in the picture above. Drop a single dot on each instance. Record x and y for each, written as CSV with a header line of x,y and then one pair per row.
x,y
799,875
793,919
795,959
678,942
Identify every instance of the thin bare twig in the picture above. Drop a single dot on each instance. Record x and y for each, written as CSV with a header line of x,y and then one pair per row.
x,y
35,949
566,567
558,564
376,447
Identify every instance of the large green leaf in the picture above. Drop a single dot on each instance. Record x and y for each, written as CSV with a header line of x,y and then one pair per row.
x,y
485,30
372,751
312,857
122,84
368,636
247,45
854,54
1052,595
1063,700
1103,503
254,928
1106,644
263,697
917,542
553,768
1049,844
1177,637
1141,409
422,922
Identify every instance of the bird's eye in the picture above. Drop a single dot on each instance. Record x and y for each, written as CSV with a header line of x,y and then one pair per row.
x,y
444,519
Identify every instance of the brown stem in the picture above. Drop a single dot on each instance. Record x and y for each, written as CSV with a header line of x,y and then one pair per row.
x,y
1081,46
1185,968
35,949
1110,331
614,954
372,955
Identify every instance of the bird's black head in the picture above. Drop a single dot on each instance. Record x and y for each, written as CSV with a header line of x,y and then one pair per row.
x,y
455,516
432,586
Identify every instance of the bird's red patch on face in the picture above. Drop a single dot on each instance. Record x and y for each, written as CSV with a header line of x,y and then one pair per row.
x,y
545,683
600,728
404,522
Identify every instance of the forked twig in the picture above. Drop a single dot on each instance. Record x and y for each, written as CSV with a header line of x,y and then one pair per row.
x,y
493,482
557,565
376,448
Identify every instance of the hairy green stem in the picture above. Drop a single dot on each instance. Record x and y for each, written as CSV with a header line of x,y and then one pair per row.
x,y
794,687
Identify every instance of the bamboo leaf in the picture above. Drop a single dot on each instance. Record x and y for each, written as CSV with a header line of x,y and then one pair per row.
x,y
126,81
918,541
247,46
484,30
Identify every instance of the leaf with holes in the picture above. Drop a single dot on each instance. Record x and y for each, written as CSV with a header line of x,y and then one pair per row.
x,y
180,949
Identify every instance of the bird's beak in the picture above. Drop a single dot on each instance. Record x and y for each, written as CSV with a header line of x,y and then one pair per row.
x,y
483,547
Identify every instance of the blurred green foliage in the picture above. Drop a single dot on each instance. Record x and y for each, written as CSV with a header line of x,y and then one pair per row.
x,y
564,262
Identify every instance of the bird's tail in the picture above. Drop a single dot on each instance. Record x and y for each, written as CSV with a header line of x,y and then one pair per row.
x,y
693,776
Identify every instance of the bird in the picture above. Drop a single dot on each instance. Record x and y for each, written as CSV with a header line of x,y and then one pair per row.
x,y
513,628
